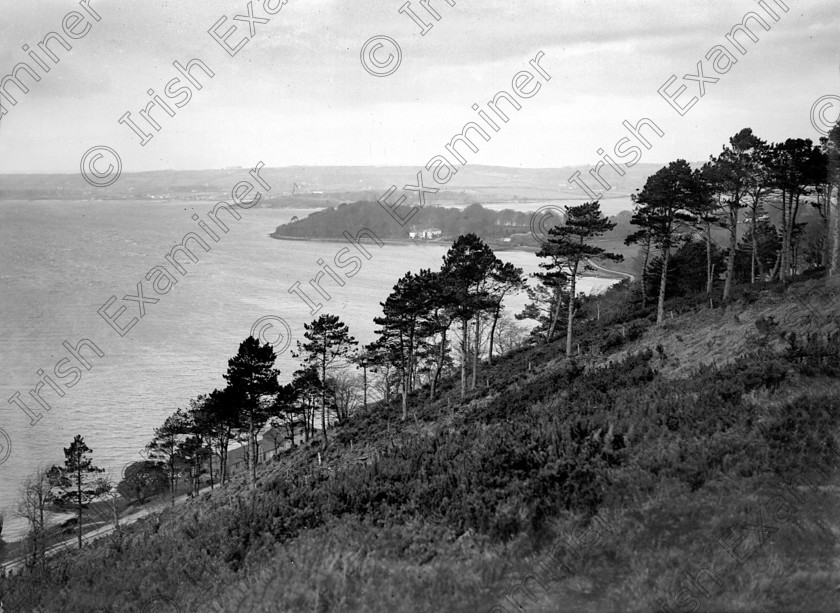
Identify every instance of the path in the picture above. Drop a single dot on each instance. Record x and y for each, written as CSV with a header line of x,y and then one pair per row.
x,y
613,272
73,543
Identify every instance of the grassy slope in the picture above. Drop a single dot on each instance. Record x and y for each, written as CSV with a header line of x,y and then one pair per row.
x,y
373,527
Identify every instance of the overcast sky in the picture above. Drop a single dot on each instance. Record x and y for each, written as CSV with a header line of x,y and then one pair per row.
x,y
297,93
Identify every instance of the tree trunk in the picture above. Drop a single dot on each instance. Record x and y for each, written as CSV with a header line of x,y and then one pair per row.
x,y
441,356
42,527
364,385
404,397
224,466
477,349
572,285
252,469
754,260
710,280
556,315
794,210
776,266
644,274
324,394
79,494
660,309
464,330
211,466
733,245
834,259
496,314
783,267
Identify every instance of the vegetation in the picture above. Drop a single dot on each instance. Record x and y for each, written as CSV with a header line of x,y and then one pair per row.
x,y
474,219
667,432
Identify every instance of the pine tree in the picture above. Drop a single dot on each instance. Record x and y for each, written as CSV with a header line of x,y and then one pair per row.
x,y
253,381
734,175
665,209
328,340
569,248
76,465
401,313
467,266
164,447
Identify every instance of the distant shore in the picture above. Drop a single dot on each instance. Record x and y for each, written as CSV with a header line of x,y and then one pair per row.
x,y
444,242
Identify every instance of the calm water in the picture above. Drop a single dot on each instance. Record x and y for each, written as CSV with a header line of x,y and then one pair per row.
x,y
60,262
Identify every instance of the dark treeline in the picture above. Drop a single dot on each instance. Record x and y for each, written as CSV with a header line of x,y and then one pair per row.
x,y
747,180
474,219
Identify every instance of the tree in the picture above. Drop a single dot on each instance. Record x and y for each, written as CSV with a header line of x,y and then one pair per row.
x,y
286,414
306,385
401,313
734,175
568,246
34,496
220,416
142,480
192,451
795,166
76,465
344,393
467,266
831,148
644,237
545,302
686,270
164,447
505,279
365,359
437,313
328,340
381,353
509,335
666,205
555,280
253,380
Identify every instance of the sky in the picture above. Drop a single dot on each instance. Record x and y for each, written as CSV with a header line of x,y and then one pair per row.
x,y
298,94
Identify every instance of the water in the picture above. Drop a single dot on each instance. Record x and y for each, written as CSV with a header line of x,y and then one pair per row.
x,y
63,261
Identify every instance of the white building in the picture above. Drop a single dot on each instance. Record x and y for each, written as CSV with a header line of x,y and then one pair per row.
x,y
427,234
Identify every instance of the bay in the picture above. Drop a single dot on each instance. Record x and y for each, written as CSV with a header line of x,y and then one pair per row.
x,y
62,261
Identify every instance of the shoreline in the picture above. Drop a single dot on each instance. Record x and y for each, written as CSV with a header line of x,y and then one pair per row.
x,y
445,242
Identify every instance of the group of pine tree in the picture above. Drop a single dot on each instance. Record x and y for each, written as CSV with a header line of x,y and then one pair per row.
x,y
444,323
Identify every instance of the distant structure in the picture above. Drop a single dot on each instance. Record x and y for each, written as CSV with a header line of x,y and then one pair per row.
x,y
427,234
748,219
294,219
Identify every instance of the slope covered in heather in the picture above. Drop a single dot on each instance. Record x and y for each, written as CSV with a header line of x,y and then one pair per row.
x,y
635,476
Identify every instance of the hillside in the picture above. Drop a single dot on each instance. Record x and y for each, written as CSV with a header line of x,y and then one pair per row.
x,y
315,186
488,224
690,463
332,222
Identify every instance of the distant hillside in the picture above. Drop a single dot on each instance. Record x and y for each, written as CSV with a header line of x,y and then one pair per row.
x,y
303,186
632,474
332,222
488,224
